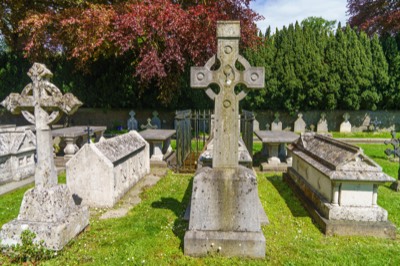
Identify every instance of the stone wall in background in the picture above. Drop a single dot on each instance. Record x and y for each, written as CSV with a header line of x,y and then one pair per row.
x,y
359,120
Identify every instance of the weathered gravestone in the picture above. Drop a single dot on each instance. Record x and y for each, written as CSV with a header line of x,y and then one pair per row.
x,y
345,126
276,124
17,154
339,186
149,125
103,172
299,124
156,120
225,214
322,126
132,122
49,210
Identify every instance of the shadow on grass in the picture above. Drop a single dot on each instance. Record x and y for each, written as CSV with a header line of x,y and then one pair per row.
x,y
259,158
179,208
288,195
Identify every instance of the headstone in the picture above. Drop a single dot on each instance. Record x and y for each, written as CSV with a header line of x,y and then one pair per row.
x,y
345,126
101,173
299,124
149,125
256,125
156,120
132,122
276,124
322,126
49,210
222,219
339,185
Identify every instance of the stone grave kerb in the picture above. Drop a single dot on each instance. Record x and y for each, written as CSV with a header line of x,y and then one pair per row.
x,y
42,104
226,77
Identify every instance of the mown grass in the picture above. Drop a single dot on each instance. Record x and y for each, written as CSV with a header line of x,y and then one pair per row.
x,y
152,232
378,134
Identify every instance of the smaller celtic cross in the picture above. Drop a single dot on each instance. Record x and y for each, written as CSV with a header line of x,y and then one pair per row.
x,y
396,149
89,132
346,117
42,104
276,115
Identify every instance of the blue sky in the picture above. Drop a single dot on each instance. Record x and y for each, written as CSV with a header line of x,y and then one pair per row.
x,y
279,13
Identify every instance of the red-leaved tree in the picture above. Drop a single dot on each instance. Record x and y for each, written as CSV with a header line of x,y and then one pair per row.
x,y
162,37
375,16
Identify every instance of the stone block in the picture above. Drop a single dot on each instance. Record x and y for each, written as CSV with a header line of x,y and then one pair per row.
x,y
54,214
345,127
223,209
339,183
102,173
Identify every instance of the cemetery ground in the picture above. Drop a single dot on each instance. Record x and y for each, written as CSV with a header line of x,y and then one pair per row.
x,y
152,232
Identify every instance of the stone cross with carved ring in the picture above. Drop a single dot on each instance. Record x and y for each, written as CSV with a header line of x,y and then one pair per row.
x,y
42,104
226,136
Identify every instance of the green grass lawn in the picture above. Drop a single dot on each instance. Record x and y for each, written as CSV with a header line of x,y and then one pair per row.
x,y
152,233
383,135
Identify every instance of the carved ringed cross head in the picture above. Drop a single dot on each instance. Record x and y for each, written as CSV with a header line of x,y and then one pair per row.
x,y
227,76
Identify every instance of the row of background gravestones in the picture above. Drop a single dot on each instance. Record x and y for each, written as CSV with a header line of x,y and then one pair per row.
x,y
360,120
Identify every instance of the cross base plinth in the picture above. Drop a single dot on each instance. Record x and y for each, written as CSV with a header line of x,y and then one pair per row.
x,y
51,213
225,214
229,244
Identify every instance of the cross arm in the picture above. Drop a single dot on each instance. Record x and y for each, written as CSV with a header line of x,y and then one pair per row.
x,y
253,77
201,77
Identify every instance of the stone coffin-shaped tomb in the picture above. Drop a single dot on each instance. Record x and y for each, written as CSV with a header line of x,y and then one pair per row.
x,y
338,185
102,173
17,154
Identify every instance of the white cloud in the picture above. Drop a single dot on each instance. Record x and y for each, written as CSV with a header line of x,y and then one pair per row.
x,y
279,13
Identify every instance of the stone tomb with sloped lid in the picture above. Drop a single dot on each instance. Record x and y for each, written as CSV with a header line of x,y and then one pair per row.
x,y
339,186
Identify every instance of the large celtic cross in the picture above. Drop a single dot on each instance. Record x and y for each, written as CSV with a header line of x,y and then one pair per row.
x,y
42,104
227,76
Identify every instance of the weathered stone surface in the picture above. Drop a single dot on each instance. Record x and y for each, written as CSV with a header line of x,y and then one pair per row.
x,y
160,143
339,227
345,126
17,154
205,159
155,120
100,174
274,145
322,126
225,205
230,216
338,179
299,124
48,210
132,122
229,244
256,125
211,188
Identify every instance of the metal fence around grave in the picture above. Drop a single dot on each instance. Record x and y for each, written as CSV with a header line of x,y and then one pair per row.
x,y
193,131
246,128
